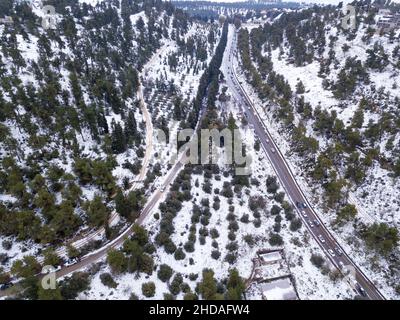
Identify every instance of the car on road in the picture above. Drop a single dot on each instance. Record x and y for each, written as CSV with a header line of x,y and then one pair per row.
x,y
360,289
5,286
343,267
321,238
317,223
71,262
304,214
273,150
331,252
301,205
162,189
339,251
311,224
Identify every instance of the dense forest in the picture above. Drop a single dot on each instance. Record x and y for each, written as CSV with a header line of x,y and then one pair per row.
x,y
69,109
70,115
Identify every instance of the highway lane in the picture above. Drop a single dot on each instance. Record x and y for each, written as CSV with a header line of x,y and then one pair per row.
x,y
309,217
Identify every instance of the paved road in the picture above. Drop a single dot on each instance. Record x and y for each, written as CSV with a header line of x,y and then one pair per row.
x,y
310,218
293,191
117,242
149,207
84,239
147,210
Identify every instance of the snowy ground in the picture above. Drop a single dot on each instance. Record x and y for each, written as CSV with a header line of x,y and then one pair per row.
x,y
311,284
186,79
376,199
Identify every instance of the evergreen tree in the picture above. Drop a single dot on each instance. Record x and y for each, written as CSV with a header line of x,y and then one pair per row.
x,y
235,286
208,286
131,127
118,139
97,212
117,261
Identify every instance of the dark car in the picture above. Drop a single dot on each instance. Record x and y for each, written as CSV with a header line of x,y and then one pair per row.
x,y
5,286
301,205
361,290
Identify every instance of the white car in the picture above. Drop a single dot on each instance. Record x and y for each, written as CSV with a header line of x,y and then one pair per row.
x,y
273,150
321,238
311,225
162,189
71,262
331,252
304,213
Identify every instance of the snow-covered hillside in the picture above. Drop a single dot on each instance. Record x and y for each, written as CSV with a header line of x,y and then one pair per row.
x,y
75,139
326,87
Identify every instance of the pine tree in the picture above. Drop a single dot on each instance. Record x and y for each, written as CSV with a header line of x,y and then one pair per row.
x,y
300,87
118,139
208,286
121,204
130,127
117,261
97,212
235,286
49,294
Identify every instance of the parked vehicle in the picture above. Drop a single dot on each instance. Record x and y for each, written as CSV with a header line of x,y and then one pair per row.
x,y
5,286
360,289
301,205
339,251
72,261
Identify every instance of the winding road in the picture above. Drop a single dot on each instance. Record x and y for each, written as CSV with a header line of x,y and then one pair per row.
x,y
338,257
